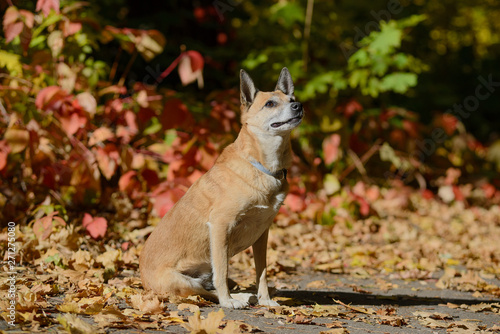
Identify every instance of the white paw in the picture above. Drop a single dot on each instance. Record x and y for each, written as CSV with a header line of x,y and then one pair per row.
x,y
268,302
233,303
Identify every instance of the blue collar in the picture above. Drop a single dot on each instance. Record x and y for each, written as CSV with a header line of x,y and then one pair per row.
x,y
280,174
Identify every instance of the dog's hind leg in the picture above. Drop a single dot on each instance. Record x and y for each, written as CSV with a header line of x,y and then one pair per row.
x,y
171,282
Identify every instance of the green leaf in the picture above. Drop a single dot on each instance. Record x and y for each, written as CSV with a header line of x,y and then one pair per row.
x,y
398,82
253,61
401,60
286,13
387,154
154,127
385,40
411,21
380,66
493,154
51,19
331,184
359,78
320,83
359,59
11,62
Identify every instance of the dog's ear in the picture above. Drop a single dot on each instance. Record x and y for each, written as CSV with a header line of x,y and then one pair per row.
x,y
247,88
285,83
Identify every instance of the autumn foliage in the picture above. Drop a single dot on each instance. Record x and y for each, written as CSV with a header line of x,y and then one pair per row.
x,y
80,146
90,160
75,141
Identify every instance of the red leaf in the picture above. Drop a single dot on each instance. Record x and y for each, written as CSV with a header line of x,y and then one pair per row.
x,y
46,5
131,120
29,18
72,123
197,61
12,31
145,114
108,159
372,194
71,28
151,177
49,97
364,207
331,148
452,176
191,67
126,183
10,16
449,123
427,194
459,196
176,115
96,227
411,128
295,202
351,107
43,227
356,144
359,189
4,152
488,188
166,200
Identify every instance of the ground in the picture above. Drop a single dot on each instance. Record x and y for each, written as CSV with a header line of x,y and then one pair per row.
x,y
418,265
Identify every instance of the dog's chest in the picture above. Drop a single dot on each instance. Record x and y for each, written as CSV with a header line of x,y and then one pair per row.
x,y
253,222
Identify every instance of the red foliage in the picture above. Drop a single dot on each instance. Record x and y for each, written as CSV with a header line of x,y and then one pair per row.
x,y
95,226
331,148
47,5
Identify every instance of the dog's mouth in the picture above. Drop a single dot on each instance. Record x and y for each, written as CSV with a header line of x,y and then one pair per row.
x,y
294,121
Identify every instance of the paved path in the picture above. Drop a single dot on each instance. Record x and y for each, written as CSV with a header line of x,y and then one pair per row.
x,y
342,304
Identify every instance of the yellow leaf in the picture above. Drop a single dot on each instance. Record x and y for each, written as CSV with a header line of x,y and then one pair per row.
x,y
190,307
210,325
74,325
147,304
11,62
18,139
70,307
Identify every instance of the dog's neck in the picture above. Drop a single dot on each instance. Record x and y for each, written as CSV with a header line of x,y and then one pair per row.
x,y
272,151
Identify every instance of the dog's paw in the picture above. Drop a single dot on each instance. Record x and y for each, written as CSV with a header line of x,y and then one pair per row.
x,y
268,302
233,303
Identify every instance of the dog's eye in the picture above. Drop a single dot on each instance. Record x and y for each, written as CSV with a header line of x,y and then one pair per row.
x,y
269,104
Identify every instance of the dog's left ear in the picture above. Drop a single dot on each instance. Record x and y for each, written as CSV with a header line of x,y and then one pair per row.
x,y
285,83
247,88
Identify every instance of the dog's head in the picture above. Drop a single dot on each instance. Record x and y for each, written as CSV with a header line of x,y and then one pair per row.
x,y
274,112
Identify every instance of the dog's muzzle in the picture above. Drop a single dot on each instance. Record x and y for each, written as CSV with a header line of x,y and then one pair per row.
x,y
297,108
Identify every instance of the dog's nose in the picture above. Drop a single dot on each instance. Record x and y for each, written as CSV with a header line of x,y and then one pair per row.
x,y
296,106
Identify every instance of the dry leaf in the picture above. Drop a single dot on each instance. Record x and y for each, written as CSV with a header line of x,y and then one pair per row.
x,y
209,325
147,303
190,307
75,325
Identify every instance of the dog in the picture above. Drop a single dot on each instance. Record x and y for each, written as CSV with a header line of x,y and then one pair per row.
x,y
231,207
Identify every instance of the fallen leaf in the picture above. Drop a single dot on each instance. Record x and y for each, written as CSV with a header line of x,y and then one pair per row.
x,y
190,307
210,325
75,325
95,226
147,303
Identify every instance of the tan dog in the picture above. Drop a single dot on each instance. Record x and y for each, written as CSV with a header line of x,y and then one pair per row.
x,y
231,207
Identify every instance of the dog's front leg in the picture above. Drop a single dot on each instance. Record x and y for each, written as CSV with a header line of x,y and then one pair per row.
x,y
259,254
219,255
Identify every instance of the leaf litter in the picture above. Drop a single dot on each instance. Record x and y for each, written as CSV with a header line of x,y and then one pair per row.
x,y
66,274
